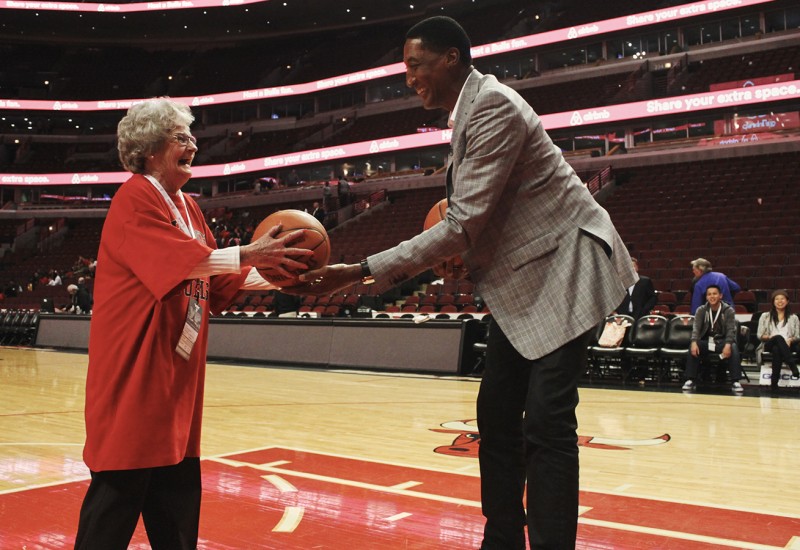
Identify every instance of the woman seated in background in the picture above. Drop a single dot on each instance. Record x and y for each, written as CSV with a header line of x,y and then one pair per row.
x,y
779,331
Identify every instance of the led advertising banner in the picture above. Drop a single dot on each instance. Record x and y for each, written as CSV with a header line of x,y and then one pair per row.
x,y
752,95
122,8
768,122
675,105
750,82
738,139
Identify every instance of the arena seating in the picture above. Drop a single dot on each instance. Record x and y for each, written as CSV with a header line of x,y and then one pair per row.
x,y
702,73
18,327
387,125
738,213
264,144
665,240
591,11
557,98
654,349
398,219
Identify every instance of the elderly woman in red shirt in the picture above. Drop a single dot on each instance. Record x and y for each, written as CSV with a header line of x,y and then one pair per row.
x,y
158,276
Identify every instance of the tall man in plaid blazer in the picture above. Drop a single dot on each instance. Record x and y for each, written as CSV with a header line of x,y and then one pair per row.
x,y
546,259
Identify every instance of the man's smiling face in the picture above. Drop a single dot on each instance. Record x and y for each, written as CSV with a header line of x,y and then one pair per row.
x,y
427,74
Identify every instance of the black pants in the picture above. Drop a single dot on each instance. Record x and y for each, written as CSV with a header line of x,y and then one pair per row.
x,y
168,499
527,424
734,362
780,351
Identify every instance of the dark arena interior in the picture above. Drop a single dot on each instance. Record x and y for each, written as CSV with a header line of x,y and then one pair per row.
x,y
682,119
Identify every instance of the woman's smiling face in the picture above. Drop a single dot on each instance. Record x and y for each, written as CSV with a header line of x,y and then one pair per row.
x,y
172,164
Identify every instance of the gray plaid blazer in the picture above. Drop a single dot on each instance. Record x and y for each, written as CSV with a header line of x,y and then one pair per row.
x,y
542,253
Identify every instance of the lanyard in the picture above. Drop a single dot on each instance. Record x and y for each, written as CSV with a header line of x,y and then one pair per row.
x,y
173,209
713,320
194,313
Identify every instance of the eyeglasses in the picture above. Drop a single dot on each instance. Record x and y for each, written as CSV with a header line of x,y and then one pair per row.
x,y
184,140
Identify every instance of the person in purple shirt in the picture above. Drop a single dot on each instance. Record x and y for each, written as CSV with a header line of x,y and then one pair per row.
x,y
704,277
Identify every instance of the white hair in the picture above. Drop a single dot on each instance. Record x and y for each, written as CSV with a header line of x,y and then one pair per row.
x,y
146,127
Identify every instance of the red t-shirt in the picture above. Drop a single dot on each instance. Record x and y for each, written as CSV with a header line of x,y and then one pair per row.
x,y
144,402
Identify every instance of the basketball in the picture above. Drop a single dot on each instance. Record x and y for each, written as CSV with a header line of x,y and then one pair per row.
x,y
315,238
453,268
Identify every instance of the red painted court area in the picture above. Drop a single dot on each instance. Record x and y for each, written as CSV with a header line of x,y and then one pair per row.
x,y
286,499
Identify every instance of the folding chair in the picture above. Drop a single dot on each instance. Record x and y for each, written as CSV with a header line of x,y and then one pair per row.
x,y
677,344
607,361
649,336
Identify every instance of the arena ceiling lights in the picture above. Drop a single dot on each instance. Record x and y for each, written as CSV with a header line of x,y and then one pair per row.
x,y
100,22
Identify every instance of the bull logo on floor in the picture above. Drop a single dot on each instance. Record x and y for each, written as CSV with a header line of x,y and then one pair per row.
x,y
468,440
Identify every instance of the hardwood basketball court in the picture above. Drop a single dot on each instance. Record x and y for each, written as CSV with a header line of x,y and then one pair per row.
x,y
315,459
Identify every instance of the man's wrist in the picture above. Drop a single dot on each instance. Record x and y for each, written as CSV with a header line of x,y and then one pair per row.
x,y
366,274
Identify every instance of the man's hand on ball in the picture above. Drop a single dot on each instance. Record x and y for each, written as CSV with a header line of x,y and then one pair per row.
x,y
326,280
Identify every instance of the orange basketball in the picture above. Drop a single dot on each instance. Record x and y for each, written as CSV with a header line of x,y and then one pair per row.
x,y
315,238
453,268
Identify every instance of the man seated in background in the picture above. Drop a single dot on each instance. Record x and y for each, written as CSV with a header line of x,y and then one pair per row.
x,y
641,296
80,301
714,333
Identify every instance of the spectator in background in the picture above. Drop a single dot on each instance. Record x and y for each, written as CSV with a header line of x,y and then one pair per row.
x,y
81,266
641,296
13,289
704,277
87,283
247,234
80,301
35,280
343,189
327,195
714,332
779,332
318,212
55,279
285,303
292,180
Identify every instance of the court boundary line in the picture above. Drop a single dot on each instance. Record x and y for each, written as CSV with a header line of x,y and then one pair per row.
x,y
268,467
405,465
477,475
627,527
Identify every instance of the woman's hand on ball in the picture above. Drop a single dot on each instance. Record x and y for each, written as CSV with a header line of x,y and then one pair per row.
x,y
276,252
